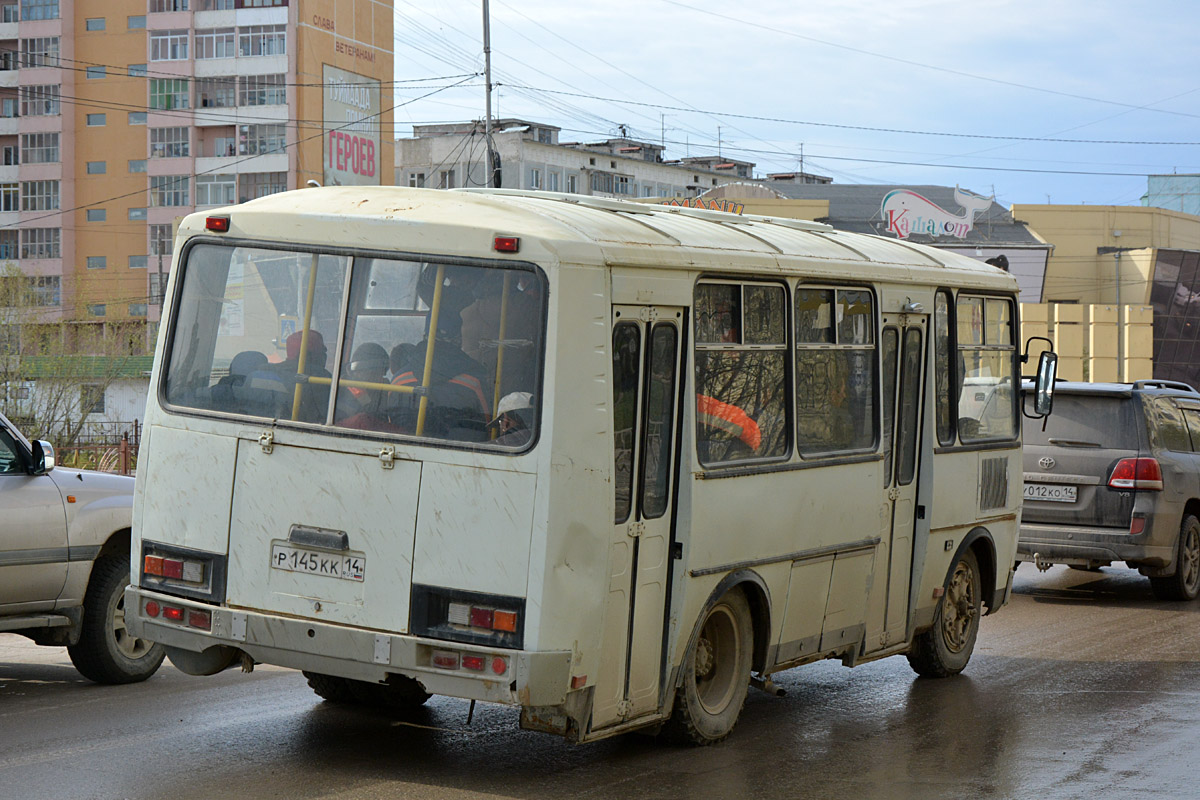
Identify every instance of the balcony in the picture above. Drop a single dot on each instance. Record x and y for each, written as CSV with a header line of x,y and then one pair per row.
x,y
8,78
272,162
9,126
239,115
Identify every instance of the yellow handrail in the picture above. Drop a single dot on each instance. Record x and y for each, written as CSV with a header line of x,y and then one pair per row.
x,y
434,309
308,307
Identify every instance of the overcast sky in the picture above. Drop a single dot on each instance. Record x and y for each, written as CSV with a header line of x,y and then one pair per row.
x,y
771,78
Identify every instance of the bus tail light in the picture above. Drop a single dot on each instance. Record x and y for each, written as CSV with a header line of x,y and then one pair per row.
x,y
1136,473
185,572
469,617
199,619
445,659
172,613
474,663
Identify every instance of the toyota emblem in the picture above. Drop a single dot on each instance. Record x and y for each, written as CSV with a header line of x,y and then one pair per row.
x,y
1046,462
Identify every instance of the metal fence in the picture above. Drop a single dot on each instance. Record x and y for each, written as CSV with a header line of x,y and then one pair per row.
x,y
104,446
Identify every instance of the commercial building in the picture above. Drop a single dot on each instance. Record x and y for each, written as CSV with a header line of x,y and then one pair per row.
x,y
119,117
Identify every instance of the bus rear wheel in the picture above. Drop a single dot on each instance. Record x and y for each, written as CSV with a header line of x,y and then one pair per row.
x,y
716,674
945,649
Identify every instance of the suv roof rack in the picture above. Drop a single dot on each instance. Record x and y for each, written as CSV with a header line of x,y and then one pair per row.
x,y
1157,384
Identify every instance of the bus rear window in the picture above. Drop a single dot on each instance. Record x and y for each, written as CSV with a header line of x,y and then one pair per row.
x,y
439,351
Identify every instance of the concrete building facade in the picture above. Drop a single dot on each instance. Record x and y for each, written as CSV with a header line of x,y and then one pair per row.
x,y
532,157
118,117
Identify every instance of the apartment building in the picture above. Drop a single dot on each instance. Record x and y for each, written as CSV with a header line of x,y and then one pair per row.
x,y
118,117
532,157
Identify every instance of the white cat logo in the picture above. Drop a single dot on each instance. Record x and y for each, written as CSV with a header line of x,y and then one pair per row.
x,y
906,213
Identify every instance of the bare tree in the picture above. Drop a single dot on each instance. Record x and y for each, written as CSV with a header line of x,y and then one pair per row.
x,y
52,372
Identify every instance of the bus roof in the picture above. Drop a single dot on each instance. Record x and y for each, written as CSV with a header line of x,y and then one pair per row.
x,y
587,230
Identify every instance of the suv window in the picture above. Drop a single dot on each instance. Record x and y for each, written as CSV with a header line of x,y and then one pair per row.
x,y
1192,417
10,462
1167,429
1106,421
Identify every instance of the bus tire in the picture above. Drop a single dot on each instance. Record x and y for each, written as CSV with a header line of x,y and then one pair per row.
x,y
945,649
400,693
330,687
107,652
715,674
1185,583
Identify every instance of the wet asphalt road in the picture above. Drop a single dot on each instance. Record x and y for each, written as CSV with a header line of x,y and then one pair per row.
x,y
1084,686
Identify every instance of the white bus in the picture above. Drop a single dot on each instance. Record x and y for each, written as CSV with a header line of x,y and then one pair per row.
x,y
608,462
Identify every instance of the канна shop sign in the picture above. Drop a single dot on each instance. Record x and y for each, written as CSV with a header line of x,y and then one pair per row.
x,y
352,115
906,213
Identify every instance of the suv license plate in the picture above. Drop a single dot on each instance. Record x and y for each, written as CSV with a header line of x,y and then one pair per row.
x,y
1055,493
314,562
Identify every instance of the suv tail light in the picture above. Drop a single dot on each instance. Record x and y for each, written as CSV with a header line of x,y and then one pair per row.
x,y
1136,473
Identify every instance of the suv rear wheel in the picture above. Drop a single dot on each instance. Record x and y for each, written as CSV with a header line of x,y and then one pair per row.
x,y
1185,583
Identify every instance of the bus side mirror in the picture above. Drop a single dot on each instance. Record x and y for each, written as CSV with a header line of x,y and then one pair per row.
x,y
1043,389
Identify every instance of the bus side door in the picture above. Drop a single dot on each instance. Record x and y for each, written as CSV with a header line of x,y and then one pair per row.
x,y
903,350
646,359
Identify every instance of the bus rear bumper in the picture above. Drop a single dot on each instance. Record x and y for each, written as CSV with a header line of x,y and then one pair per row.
x,y
511,677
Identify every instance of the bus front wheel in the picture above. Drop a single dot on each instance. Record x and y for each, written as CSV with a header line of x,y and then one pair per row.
x,y
716,674
945,649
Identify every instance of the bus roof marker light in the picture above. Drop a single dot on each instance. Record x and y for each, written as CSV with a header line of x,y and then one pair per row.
x,y
217,224
507,244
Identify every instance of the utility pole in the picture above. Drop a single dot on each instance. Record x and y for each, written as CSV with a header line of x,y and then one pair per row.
x,y
490,180
1120,323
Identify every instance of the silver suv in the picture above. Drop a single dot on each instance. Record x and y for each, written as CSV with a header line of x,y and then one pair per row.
x,y
1115,476
64,560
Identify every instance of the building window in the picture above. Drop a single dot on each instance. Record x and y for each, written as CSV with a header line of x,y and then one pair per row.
x,y
160,240
257,140
552,181
137,213
621,184
416,180
38,9
9,60
224,146
96,120
10,13
262,40
8,107
168,93
137,309
446,179
535,179
136,118
262,90
137,70
39,195
96,72
169,142
138,262
168,190
137,165
39,101
602,182
9,247
216,43
91,395
161,6
10,197
169,45
97,215
41,243
46,290
261,3
39,148
136,22
94,24
12,155
216,92
260,184
572,184
97,262
216,190
40,52
97,167
215,5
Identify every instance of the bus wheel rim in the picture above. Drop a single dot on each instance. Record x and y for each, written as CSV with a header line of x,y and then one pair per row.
x,y
959,609
716,660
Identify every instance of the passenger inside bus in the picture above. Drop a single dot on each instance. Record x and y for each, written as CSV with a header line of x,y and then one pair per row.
x,y
457,407
227,394
272,389
514,421
362,407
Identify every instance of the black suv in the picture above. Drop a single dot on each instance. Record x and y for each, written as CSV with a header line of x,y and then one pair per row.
x,y
1115,476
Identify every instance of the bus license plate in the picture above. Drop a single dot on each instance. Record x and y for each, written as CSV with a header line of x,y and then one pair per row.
x,y
1055,493
314,562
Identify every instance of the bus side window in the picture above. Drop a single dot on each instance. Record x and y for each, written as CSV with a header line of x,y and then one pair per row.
x,y
627,350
